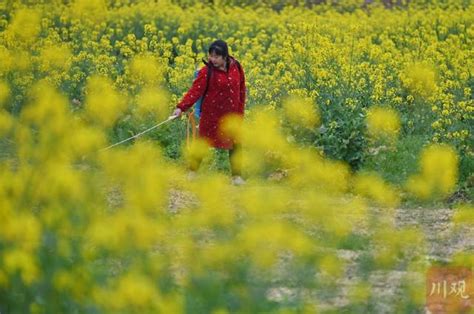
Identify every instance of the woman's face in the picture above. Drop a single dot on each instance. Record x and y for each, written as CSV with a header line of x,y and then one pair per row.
x,y
216,60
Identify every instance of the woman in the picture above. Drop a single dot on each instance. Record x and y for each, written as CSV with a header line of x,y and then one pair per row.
x,y
225,95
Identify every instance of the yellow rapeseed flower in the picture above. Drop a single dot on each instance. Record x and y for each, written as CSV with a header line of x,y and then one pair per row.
x,y
464,215
383,123
4,93
331,265
6,122
55,57
231,126
301,111
93,10
196,151
420,79
25,25
145,68
438,174
7,58
103,103
372,186
155,101
22,230
132,291
47,109
20,260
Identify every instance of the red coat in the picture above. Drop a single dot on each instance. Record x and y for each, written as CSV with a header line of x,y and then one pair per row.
x,y
225,95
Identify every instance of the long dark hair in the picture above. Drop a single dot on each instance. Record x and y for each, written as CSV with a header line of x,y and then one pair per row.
x,y
220,48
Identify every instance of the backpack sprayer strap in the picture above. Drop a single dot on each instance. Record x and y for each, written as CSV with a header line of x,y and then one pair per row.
x,y
191,120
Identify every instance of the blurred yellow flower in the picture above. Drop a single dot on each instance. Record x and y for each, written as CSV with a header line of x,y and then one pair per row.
x,y
23,231
372,186
20,260
145,68
7,58
153,101
464,215
85,139
438,174
94,10
56,57
132,291
195,152
25,25
420,79
231,126
360,292
6,122
4,93
331,265
48,109
126,229
103,103
301,111
383,122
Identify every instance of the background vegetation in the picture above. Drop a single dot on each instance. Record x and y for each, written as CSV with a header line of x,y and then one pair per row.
x,y
353,109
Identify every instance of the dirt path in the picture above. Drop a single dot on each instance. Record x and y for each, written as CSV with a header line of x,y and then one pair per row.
x,y
442,240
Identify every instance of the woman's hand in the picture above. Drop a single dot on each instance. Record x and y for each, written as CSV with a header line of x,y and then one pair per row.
x,y
177,112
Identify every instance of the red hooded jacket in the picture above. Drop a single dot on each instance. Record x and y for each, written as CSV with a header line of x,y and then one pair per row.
x,y
225,95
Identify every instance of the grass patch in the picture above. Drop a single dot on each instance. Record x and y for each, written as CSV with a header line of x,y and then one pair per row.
x,y
396,165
